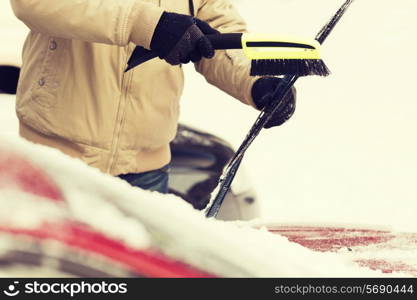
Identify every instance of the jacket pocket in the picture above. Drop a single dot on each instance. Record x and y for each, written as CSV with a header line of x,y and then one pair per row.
x,y
46,84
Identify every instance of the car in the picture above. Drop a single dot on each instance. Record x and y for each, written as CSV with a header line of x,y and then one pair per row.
x,y
47,229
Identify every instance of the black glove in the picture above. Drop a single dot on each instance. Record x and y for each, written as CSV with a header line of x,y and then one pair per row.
x,y
265,86
180,39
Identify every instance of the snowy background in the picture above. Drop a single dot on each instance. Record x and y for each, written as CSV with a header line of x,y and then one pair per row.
x,y
349,153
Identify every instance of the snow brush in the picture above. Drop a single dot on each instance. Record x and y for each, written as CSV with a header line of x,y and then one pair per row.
x,y
274,105
271,55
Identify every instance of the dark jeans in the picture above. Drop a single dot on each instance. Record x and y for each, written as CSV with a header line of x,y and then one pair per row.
x,y
156,180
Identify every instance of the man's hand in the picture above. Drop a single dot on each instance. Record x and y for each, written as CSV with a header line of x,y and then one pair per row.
x,y
180,39
265,86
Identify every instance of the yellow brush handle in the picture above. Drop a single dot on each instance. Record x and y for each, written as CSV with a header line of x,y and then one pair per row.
x,y
270,46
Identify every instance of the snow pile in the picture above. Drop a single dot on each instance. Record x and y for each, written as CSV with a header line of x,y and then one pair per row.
x,y
25,210
17,209
227,249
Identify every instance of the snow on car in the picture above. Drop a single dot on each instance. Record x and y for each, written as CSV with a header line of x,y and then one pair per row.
x,y
47,196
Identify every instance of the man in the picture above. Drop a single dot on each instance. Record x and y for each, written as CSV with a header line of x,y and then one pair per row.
x,y
74,95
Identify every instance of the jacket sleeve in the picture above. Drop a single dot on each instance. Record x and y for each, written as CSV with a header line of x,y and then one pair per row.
x,y
115,22
229,69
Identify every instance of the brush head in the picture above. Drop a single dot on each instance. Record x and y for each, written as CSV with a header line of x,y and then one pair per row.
x,y
297,67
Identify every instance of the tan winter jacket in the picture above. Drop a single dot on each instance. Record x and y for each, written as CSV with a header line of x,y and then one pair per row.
x,y
73,93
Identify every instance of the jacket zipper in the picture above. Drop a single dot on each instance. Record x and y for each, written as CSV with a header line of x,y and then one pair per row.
x,y
126,79
119,120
